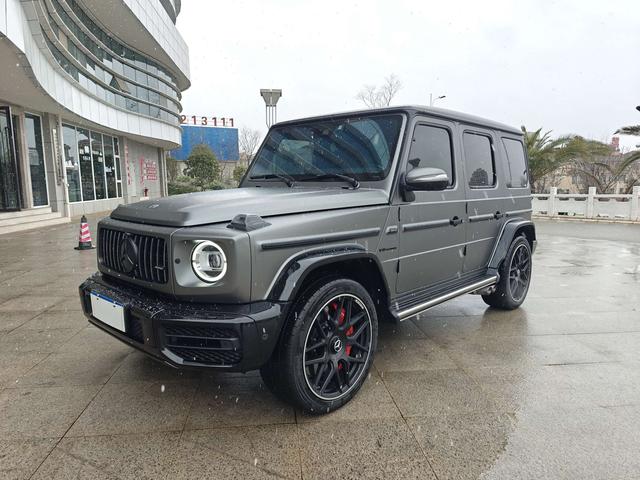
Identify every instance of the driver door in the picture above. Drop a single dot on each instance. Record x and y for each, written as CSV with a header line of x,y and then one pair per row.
x,y
432,227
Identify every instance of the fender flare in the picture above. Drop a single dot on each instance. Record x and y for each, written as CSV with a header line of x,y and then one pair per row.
x,y
291,277
510,229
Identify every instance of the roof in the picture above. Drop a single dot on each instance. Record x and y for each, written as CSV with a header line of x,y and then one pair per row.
x,y
442,113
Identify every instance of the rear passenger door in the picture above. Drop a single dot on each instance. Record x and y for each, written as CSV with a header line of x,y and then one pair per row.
x,y
485,196
432,228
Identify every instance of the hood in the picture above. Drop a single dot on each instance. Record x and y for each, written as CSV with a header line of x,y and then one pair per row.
x,y
191,209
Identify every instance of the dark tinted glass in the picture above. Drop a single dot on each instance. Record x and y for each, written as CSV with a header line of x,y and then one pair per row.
x,y
431,147
361,147
517,163
478,156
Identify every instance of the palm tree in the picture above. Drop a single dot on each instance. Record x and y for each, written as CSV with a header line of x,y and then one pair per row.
x,y
630,130
546,154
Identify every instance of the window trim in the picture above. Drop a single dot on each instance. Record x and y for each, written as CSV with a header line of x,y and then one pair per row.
x,y
102,134
454,173
488,135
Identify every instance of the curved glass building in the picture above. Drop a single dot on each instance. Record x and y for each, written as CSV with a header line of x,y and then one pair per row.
x,y
90,95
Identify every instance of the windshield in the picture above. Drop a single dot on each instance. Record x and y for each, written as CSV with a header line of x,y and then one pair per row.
x,y
359,147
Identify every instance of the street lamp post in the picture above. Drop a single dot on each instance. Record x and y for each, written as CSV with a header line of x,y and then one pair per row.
x,y
270,97
433,100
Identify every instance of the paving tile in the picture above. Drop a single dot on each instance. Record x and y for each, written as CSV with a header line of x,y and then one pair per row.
x,y
399,354
12,320
41,412
462,446
585,443
235,402
437,392
29,303
55,319
112,457
24,340
136,408
269,451
19,459
372,449
70,369
14,364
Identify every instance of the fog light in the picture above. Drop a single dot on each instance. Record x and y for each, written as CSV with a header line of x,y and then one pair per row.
x,y
208,261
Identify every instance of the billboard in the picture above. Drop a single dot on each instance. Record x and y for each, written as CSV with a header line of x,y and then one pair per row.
x,y
222,140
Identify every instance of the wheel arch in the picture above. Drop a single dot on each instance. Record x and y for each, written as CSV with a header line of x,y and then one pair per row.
x,y
348,261
510,230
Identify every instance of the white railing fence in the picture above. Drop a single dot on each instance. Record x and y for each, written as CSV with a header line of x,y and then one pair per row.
x,y
611,207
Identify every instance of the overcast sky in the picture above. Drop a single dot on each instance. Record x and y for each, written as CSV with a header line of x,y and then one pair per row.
x,y
567,66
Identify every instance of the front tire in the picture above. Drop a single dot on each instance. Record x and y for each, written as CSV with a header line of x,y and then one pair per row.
x,y
326,349
515,277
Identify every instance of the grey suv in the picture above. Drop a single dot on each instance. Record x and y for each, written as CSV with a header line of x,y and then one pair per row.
x,y
341,221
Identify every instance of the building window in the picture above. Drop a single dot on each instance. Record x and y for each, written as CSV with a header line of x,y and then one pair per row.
x,y
92,162
86,165
478,154
431,147
98,166
33,131
71,163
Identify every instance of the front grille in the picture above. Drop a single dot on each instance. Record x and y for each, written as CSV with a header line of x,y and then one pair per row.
x,y
151,265
203,344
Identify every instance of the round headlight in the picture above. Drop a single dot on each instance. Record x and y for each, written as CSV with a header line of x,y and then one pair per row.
x,y
208,261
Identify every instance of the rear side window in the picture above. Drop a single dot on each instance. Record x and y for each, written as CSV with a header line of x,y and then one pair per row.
x,y
431,147
478,154
517,163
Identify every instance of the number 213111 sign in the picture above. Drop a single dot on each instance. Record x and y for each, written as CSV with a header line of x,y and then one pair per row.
x,y
206,121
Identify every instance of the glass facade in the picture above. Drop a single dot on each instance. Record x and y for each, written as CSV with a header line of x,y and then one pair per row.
x,y
92,161
106,68
33,134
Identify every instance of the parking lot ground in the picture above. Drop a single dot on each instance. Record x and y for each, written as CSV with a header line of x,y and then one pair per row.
x,y
551,390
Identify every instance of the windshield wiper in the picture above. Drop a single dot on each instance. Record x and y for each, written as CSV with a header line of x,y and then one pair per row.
x,y
286,179
321,176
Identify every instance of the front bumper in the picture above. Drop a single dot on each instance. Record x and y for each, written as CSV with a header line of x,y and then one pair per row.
x,y
184,334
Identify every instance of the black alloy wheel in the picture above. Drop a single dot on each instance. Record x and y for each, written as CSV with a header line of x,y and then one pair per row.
x,y
520,272
326,347
337,347
515,277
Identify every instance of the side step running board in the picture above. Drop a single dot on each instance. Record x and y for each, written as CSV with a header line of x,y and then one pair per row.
x,y
409,312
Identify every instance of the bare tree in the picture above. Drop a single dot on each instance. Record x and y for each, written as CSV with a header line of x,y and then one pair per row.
x,y
375,97
248,141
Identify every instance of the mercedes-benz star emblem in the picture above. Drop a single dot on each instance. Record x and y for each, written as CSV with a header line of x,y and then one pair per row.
x,y
128,253
337,345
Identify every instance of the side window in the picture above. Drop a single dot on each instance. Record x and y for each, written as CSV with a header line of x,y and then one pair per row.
x,y
431,147
478,154
517,163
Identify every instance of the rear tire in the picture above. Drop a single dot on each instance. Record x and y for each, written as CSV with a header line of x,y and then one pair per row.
x,y
326,349
515,277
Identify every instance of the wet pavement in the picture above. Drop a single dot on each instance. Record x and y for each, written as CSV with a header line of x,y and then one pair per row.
x,y
551,390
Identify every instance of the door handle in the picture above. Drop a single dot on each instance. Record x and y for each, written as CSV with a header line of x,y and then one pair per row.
x,y
455,221
498,215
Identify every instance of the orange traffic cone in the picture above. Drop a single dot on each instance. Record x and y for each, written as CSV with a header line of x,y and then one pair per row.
x,y
84,240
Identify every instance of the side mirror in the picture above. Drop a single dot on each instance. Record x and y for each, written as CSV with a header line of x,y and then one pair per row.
x,y
426,178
